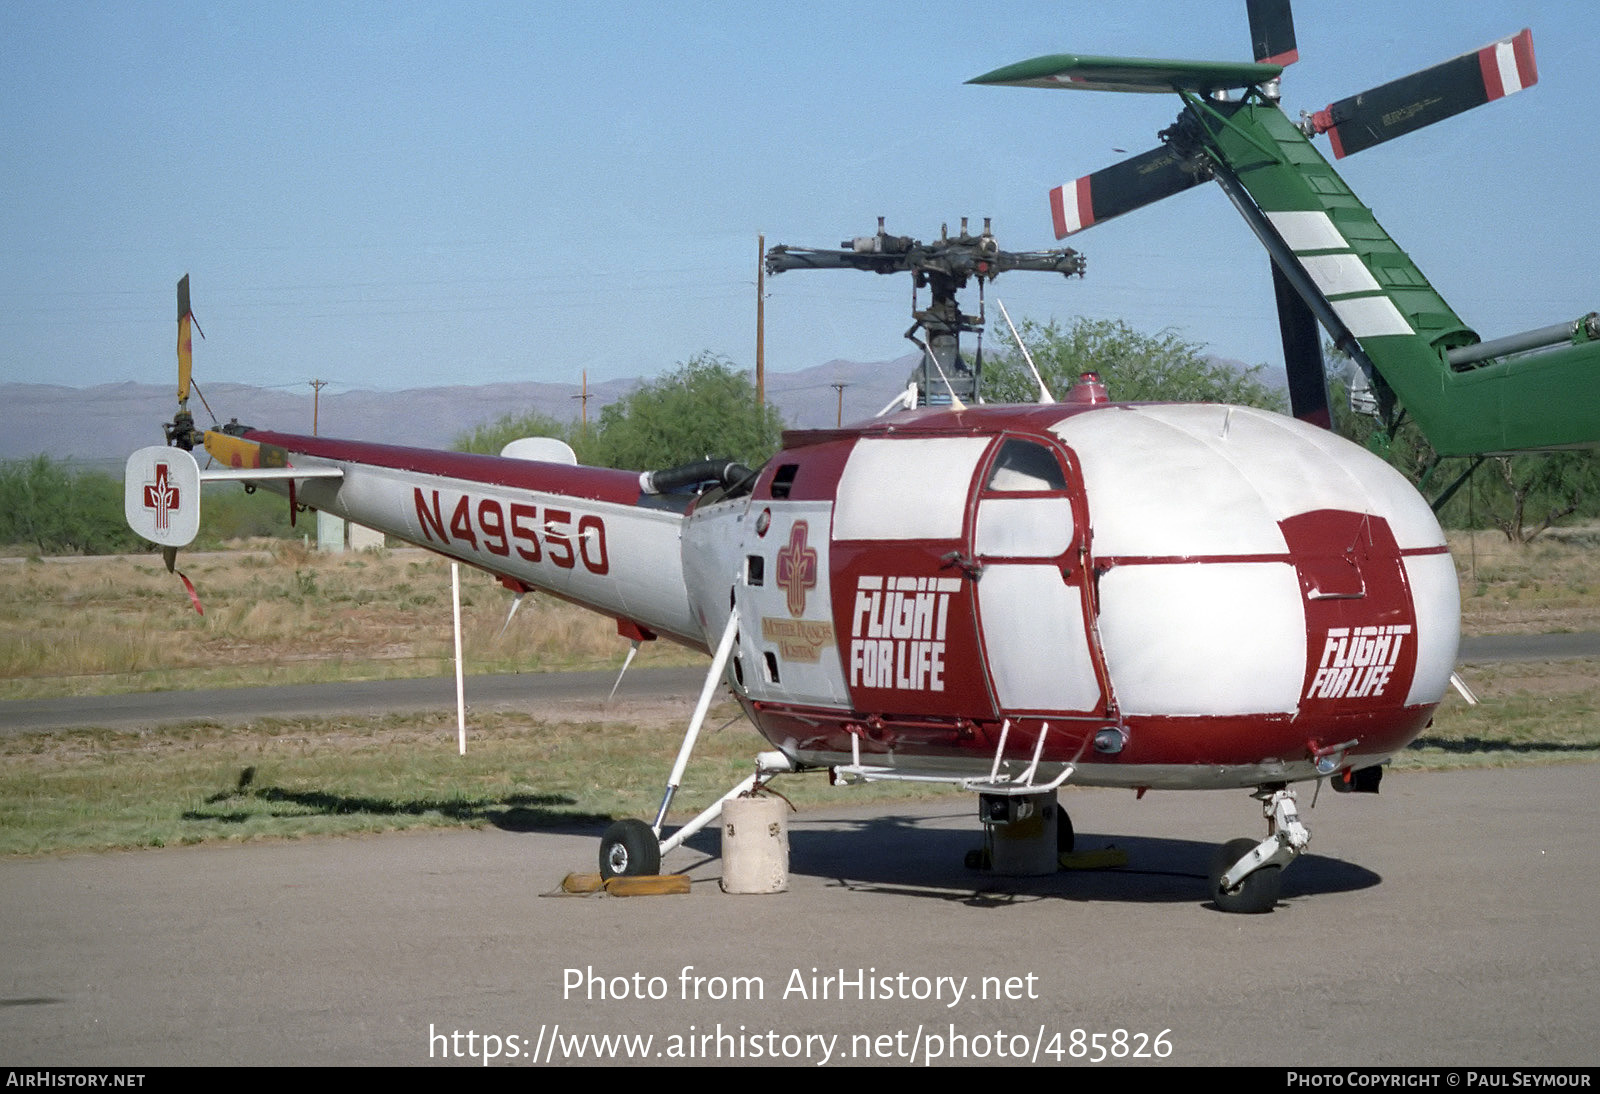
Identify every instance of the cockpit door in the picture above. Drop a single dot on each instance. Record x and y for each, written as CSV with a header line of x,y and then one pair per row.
x,y
904,588
1034,599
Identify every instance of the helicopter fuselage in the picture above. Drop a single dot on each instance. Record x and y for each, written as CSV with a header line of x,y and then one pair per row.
x,y
1170,596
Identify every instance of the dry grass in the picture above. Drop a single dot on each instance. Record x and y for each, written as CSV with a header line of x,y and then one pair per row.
x,y
1549,586
286,778
1527,712
100,626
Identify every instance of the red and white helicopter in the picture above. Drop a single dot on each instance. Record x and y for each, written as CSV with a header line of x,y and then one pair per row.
x,y
1002,598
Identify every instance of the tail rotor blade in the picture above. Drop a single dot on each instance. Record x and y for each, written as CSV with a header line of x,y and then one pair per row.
x,y
185,344
1272,32
1425,97
1121,188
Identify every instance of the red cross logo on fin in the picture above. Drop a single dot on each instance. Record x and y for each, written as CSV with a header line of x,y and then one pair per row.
x,y
797,569
161,496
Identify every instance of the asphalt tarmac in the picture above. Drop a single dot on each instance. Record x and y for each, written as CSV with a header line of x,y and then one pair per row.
x,y
1447,921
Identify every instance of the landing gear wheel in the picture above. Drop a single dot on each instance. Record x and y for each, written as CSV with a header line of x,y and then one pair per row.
x,y
629,849
1066,839
1257,893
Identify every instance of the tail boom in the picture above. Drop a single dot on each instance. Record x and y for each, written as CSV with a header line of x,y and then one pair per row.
x,y
589,535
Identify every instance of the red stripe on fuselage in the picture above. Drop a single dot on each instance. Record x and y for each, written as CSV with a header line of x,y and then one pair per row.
x,y
1237,740
591,483
1172,560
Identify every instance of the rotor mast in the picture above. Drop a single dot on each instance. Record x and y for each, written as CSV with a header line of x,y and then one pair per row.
x,y
943,267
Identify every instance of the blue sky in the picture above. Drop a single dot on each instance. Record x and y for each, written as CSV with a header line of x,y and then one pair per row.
x,y
397,195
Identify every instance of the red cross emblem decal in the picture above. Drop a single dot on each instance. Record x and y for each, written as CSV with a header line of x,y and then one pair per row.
x,y
161,496
797,569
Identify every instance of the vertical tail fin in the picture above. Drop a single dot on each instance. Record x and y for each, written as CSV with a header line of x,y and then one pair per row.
x,y
161,495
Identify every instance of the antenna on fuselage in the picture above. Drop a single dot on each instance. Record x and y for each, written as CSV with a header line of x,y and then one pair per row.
x,y
1044,392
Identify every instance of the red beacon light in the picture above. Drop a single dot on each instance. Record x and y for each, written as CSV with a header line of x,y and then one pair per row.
x,y
1088,391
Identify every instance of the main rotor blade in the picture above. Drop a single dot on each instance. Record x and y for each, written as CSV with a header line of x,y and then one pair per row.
x,y
1150,75
1425,97
1121,188
1272,32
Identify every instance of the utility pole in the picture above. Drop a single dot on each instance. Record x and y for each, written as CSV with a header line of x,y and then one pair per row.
x,y
583,406
316,399
839,386
761,320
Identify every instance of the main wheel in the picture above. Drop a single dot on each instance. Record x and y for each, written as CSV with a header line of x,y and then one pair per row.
x,y
629,849
1257,893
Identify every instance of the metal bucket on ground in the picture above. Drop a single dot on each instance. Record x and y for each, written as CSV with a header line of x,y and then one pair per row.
x,y
755,845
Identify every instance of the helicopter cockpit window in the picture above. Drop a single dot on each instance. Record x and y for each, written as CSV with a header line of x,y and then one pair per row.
x,y
1023,465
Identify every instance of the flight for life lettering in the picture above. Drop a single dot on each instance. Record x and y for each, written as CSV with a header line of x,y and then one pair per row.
x,y
1357,662
897,632
516,527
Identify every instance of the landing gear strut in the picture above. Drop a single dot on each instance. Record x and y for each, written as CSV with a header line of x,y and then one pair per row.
x,y
1246,876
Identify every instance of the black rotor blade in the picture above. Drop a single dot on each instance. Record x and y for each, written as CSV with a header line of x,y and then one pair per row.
x,y
1302,354
1431,95
1272,32
1121,188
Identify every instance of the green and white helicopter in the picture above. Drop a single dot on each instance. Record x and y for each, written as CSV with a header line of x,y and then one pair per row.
x,y
1332,262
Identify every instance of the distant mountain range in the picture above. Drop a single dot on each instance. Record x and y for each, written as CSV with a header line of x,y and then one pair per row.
x,y
99,426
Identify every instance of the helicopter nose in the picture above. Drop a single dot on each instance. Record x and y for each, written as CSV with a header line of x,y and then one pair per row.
x,y
1233,545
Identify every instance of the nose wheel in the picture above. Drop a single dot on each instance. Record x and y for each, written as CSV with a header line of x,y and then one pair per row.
x,y
1256,893
1246,875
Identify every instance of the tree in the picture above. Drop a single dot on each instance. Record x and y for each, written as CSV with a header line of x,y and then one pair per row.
x,y
50,506
490,437
1545,486
706,407
1136,367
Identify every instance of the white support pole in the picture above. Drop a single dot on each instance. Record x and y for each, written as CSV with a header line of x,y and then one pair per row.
x,y
1044,392
713,678
461,694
